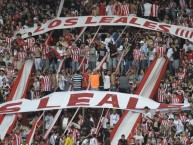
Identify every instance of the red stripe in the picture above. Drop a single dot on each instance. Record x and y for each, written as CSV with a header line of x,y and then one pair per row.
x,y
154,91
137,92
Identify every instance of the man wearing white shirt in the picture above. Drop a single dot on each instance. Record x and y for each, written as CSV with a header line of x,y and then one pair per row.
x,y
170,114
187,46
190,120
93,140
48,119
170,56
114,118
147,114
147,8
178,123
139,137
109,9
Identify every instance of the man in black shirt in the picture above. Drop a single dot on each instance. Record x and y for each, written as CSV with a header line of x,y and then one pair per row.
x,y
101,52
113,55
122,141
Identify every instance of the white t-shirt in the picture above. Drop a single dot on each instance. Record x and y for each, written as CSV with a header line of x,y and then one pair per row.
x,y
85,142
93,141
190,121
170,53
61,52
107,82
52,139
147,9
179,126
140,138
104,121
147,115
114,118
186,47
152,54
48,120
109,10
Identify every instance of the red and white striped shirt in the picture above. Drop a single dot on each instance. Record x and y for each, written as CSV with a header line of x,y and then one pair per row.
x,y
30,42
17,139
145,127
154,10
125,10
175,100
75,54
161,95
184,140
46,83
21,56
45,51
32,49
136,54
161,51
25,47
164,123
8,41
117,8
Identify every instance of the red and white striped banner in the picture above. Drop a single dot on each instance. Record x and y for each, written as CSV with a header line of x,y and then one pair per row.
x,y
90,21
93,99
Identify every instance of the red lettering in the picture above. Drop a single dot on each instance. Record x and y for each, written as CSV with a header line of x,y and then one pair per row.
x,y
186,35
149,24
182,32
82,99
132,103
164,28
11,107
38,29
54,23
106,20
71,21
177,31
113,100
121,20
133,21
44,102
89,21
191,35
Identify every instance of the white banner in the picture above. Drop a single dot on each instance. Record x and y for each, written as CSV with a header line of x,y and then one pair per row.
x,y
93,99
90,21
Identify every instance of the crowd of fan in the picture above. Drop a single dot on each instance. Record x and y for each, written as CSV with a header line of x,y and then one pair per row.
x,y
143,47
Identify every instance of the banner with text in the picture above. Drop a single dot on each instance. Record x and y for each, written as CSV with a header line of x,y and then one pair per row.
x,y
86,21
88,99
